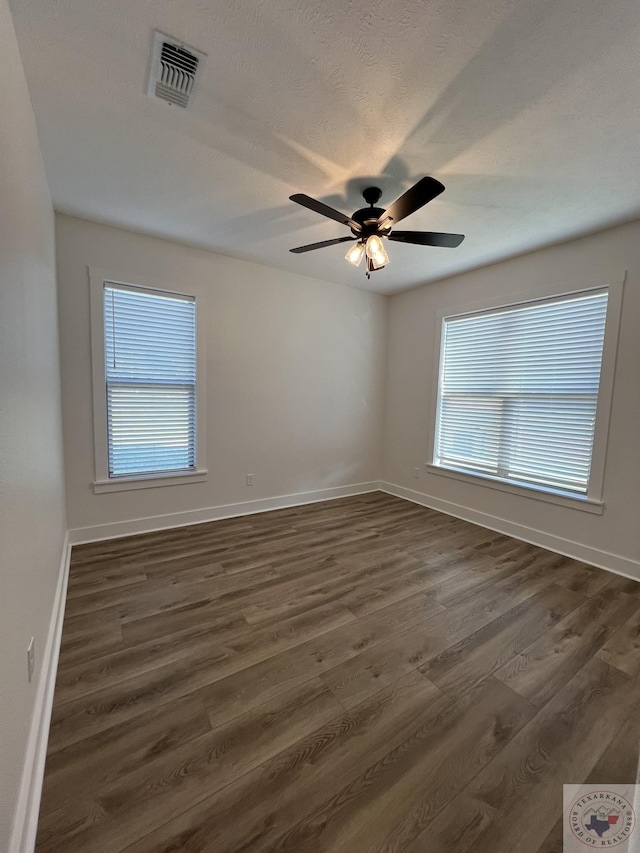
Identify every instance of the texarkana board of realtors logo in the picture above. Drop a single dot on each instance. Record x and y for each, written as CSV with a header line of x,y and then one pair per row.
x,y
600,817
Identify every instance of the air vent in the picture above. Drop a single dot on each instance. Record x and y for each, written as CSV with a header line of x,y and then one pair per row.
x,y
175,69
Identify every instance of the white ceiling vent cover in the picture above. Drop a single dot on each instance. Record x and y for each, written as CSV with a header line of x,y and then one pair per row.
x,y
175,68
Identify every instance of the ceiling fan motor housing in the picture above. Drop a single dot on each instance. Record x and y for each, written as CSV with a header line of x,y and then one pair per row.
x,y
368,217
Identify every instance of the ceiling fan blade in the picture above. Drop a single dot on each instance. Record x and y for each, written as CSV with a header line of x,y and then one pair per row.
x,y
325,210
420,194
324,243
427,238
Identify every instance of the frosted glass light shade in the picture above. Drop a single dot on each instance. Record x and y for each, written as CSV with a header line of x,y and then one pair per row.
x,y
355,254
376,251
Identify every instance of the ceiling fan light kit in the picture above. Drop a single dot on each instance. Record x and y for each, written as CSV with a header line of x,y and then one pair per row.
x,y
371,225
371,248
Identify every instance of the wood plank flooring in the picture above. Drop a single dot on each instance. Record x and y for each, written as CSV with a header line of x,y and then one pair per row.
x,y
361,675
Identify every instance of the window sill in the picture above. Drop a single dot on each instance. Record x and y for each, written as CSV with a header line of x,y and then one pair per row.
x,y
149,481
572,501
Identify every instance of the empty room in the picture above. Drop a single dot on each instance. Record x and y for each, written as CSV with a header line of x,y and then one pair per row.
x,y
319,417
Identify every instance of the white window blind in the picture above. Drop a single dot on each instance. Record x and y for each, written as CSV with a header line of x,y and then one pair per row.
x,y
150,361
518,391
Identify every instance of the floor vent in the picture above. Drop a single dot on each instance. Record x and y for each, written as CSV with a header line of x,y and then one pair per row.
x,y
175,69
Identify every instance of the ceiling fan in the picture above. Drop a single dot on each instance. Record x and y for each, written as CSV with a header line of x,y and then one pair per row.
x,y
370,225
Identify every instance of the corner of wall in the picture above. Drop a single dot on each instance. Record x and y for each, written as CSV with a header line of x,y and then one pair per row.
x,y
26,814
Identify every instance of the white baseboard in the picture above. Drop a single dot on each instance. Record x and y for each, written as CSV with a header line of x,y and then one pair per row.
x,y
603,559
25,823
82,535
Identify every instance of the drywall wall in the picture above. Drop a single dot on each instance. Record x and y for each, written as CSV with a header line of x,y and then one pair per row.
x,y
295,371
32,522
611,539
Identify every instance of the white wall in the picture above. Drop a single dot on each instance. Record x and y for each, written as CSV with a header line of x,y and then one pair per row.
x,y
32,522
294,378
611,539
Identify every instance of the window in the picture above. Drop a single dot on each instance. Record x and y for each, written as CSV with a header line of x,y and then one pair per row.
x,y
518,393
145,385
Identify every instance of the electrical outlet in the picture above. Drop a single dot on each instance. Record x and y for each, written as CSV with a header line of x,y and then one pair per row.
x,y
31,658
416,473
249,479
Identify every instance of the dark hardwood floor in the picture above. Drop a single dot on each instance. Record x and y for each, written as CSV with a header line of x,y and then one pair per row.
x,y
359,675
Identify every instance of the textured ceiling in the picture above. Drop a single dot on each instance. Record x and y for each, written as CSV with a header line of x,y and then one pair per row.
x,y
527,110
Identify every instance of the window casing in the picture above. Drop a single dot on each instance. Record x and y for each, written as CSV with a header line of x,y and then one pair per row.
x,y
524,392
148,361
